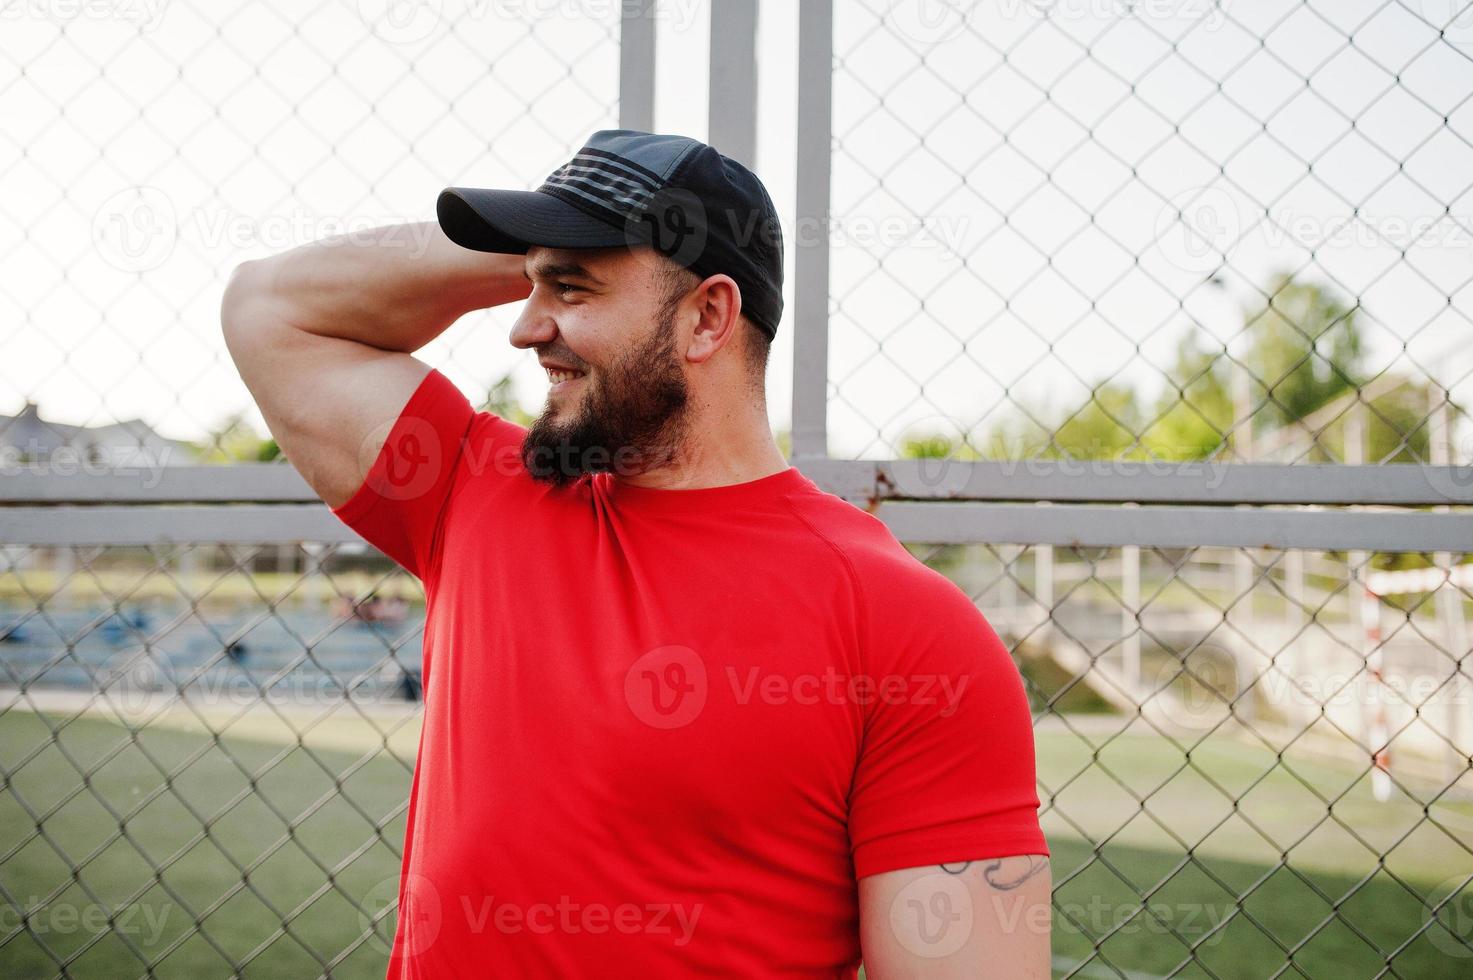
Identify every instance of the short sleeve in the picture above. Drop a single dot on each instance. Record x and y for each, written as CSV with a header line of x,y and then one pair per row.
x,y
400,504
946,771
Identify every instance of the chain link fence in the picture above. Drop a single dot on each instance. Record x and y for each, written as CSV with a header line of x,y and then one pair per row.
x,y
1163,231
1194,274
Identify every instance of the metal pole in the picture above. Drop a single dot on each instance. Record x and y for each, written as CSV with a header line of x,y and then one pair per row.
x,y
732,95
1130,588
1448,600
811,236
637,65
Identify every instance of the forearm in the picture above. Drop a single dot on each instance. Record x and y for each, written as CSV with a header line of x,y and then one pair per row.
x,y
396,287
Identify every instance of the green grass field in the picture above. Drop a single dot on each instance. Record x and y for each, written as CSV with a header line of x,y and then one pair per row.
x,y
339,864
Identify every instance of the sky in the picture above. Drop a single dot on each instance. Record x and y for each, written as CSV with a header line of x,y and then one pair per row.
x,y
1029,197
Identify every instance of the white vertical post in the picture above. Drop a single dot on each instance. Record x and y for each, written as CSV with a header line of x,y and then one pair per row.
x,y
732,94
637,65
1292,663
1043,588
1448,600
1130,588
1244,583
811,245
1378,729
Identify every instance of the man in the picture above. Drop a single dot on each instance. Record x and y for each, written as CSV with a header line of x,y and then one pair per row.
x,y
685,713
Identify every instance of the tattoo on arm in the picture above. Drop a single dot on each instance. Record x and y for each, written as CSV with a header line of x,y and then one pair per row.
x,y
993,872
995,878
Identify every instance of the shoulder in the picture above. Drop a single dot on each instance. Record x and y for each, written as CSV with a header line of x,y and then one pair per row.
x,y
894,584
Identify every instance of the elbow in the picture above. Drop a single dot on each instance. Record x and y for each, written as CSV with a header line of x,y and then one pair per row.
x,y
243,293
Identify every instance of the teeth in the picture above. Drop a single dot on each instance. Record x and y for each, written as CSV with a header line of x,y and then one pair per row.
x,y
557,376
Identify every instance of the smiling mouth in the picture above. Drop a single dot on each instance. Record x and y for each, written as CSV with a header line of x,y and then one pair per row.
x,y
559,377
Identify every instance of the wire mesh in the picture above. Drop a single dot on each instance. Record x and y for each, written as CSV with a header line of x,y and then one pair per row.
x,y
208,751
151,147
1175,231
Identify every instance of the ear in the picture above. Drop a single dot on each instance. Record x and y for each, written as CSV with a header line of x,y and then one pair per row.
x,y
718,302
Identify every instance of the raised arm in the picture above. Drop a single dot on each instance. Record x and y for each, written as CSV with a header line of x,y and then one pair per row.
x,y
322,336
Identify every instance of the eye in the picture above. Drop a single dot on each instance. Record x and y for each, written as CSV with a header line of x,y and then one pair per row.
x,y
563,288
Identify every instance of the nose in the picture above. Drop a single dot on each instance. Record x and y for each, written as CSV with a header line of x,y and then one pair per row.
x,y
533,328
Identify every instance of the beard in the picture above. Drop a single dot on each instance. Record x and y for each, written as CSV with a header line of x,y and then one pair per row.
x,y
630,420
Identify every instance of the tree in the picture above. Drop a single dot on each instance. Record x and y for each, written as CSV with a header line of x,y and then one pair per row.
x,y
235,440
1194,412
1305,350
502,400
1104,427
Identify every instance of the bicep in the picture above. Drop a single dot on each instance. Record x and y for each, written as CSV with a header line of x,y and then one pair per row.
x,y
987,918
328,402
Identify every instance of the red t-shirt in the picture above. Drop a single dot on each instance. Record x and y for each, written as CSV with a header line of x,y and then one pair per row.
x,y
666,731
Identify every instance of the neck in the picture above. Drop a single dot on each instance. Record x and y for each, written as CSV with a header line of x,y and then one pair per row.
x,y
723,445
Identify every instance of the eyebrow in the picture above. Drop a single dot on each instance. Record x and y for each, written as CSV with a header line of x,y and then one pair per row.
x,y
554,270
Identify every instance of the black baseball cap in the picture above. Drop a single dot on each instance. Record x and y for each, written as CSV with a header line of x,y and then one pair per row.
x,y
625,187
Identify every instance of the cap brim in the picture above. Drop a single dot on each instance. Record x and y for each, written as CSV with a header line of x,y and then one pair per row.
x,y
489,220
